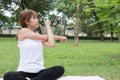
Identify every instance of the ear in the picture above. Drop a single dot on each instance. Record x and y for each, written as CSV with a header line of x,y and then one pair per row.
x,y
27,22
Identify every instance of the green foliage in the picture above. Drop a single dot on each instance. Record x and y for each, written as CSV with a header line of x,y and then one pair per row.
x,y
68,7
102,15
108,12
8,35
15,7
12,7
91,38
57,30
3,20
42,6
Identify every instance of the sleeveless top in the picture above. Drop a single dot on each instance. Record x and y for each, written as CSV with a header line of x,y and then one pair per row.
x,y
31,56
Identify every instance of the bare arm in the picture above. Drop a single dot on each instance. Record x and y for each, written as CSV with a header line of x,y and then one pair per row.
x,y
60,38
26,33
50,42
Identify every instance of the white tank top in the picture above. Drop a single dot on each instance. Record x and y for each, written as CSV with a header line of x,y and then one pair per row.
x,y
31,56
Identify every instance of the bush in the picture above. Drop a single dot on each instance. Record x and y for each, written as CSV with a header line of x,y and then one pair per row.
x,y
91,38
69,37
8,35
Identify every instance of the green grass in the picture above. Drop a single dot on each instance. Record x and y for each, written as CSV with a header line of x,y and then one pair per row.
x,y
89,58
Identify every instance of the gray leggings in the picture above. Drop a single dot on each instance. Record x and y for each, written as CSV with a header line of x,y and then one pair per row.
x,y
46,74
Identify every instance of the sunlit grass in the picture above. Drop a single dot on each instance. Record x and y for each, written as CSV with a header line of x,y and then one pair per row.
x,y
89,58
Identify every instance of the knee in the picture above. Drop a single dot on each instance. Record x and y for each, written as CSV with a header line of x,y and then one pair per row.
x,y
8,76
60,69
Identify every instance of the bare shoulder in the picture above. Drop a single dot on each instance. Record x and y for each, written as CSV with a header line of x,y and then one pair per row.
x,y
23,30
21,33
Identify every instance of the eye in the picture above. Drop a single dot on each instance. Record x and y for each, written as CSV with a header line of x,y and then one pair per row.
x,y
34,17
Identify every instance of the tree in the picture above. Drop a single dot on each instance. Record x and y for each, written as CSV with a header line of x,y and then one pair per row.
x,y
106,14
8,6
3,21
69,8
77,24
91,5
102,14
16,6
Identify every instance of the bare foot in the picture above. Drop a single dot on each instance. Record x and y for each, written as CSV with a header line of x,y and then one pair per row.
x,y
28,78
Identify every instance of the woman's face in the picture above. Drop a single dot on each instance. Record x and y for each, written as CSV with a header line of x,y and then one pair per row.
x,y
34,22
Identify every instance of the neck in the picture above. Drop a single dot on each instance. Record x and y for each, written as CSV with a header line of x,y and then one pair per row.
x,y
30,28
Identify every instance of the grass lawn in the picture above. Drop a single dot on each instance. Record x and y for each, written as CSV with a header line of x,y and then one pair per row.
x,y
89,58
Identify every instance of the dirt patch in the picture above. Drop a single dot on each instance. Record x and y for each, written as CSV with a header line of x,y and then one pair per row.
x,y
114,56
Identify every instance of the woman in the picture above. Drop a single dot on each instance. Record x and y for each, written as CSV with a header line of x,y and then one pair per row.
x,y
31,64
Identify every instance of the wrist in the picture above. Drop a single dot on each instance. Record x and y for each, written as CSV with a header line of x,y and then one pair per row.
x,y
47,26
60,37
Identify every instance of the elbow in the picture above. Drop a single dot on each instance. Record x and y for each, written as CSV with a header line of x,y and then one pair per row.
x,y
52,45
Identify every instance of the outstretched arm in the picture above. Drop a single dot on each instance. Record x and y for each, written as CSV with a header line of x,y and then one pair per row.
x,y
60,38
27,33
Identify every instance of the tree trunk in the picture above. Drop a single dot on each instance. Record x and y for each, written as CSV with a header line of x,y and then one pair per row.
x,y
64,29
23,4
77,25
0,31
99,26
63,22
111,33
9,31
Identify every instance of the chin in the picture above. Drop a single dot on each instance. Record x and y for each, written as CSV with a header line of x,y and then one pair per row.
x,y
36,27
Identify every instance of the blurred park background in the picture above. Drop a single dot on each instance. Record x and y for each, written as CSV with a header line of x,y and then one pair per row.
x,y
92,27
